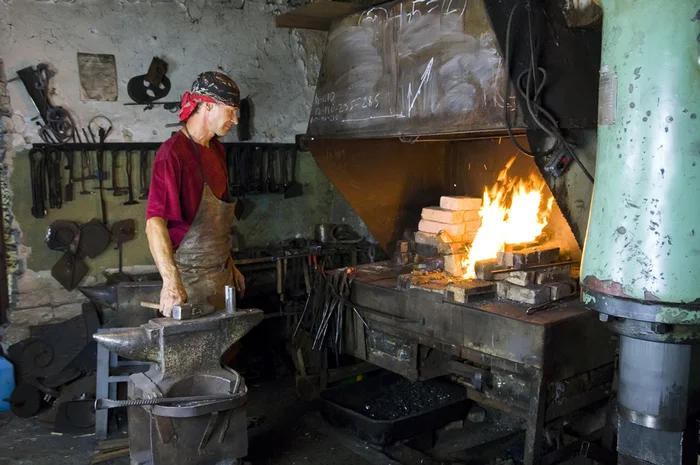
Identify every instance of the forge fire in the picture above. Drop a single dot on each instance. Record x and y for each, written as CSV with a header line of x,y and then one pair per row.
x,y
514,211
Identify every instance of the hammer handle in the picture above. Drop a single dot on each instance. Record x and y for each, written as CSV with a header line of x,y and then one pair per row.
x,y
152,305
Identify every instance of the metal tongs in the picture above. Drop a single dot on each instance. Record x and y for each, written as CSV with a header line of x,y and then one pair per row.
x,y
550,304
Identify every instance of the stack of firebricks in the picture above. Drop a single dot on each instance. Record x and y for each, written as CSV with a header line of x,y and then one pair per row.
x,y
528,273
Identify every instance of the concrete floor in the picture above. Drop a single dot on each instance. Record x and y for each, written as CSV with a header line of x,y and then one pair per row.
x,y
288,432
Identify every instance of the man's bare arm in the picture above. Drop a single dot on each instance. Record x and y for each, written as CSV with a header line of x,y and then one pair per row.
x,y
173,292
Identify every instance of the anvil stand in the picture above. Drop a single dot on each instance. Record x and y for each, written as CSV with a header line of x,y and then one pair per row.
x,y
187,355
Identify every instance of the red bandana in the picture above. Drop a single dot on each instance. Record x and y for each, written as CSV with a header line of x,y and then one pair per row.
x,y
189,104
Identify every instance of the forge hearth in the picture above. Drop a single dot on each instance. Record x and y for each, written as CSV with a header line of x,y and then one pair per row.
x,y
528,256
527,273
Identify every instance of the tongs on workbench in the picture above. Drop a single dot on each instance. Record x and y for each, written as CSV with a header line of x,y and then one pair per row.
x,y
551,304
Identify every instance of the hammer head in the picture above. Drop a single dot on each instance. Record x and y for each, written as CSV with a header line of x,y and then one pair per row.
x,y
189,311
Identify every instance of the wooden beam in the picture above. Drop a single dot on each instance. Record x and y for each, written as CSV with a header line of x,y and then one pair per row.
x,y
318,15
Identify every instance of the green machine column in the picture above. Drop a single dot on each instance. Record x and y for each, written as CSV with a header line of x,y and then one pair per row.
x,y
642,251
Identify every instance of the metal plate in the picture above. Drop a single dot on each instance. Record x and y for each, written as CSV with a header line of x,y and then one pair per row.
x,y
94,238
124,231
607,99
69,270
26,401
51,348
63,235
98,77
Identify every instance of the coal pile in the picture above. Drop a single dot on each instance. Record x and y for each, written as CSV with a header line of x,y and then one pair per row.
x,y
405,398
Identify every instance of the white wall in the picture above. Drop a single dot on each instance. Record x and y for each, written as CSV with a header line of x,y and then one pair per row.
x,y
277,68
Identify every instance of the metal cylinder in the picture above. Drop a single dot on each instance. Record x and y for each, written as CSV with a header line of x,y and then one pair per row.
x,y
230,295
323,233
642,252
654,384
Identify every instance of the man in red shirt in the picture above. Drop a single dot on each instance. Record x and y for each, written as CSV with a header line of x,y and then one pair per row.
x,y
188,217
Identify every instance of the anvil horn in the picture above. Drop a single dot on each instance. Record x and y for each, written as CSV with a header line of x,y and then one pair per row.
x,y
130,343
103,294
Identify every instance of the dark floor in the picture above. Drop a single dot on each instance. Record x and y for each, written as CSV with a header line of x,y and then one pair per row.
x,y
286,432
286,435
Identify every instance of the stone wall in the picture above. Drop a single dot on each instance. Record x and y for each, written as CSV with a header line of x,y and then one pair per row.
x,y
8,139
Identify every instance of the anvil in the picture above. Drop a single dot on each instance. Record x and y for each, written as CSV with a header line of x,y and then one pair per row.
x,y
186,356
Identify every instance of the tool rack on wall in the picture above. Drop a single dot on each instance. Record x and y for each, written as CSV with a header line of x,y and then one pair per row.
x,y
58,170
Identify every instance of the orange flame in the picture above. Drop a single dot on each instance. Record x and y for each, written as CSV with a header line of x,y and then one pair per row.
x,y
510,214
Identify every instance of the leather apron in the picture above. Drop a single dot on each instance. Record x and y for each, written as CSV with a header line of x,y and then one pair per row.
x,y
204,255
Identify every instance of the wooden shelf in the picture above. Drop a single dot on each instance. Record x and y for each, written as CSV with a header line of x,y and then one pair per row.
x,y
317,15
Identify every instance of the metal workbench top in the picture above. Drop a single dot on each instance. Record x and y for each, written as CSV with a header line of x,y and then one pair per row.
x,y
566,339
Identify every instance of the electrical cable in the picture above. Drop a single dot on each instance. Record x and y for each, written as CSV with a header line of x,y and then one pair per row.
x,y
506,91
554,131
535,110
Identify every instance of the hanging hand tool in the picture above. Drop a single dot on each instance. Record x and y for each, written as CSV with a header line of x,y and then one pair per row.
x,y
248,176
87,139
260,156
235,170
271,184
100,168
129,179
242,166
116,189
92,135
100,122
123,231
237,180
38,182
291,187
53,175
143,175
85,167
70,189
57,124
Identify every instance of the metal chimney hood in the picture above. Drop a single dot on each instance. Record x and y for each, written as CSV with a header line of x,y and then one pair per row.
x,y
437,67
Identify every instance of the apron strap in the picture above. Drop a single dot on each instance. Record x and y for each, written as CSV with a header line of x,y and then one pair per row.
x,y
201,168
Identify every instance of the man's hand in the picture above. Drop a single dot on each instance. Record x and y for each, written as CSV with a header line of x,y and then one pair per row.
x,y
173,293
239,282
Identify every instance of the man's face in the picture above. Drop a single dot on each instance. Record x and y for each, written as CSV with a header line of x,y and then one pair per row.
x,y
221,118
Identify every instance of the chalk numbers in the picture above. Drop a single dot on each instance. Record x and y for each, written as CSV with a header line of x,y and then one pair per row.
x,y
326,106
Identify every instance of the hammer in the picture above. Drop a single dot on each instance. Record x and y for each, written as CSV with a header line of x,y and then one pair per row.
x,y
185,311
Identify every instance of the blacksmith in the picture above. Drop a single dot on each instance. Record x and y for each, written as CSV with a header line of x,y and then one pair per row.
x,y
189,216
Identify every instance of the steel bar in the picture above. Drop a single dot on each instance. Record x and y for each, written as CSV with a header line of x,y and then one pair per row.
x,y
535,267
111,403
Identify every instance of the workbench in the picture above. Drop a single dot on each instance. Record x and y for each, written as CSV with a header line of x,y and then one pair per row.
x,y
539,367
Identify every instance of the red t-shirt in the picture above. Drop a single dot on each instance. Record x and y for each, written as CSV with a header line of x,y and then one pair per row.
x,y
176,185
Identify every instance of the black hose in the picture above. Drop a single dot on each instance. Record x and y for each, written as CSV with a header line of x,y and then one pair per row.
x,y
534,109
